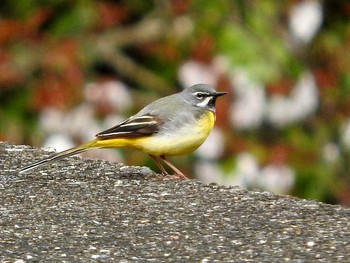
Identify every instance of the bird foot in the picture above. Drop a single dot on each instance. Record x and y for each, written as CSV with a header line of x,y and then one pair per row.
x,y
171,177
175,177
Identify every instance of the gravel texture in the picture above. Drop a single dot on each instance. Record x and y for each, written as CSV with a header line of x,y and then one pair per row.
x,y
82,210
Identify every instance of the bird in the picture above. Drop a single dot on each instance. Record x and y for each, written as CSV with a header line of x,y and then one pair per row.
x,y
170,126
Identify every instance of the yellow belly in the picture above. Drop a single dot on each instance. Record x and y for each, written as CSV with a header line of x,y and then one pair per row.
x,y
184,140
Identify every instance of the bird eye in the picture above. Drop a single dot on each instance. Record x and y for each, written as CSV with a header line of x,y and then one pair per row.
x,y
199,95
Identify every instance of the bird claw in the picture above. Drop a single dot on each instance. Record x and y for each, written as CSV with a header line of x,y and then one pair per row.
x,y
171,177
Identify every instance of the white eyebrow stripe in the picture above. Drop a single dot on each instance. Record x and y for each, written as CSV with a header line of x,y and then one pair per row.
x,y
203,93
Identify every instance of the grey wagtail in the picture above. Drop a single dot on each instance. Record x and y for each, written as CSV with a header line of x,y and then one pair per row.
x,y
174,125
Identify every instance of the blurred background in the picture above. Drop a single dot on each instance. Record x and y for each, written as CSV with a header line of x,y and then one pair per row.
x,y
69,69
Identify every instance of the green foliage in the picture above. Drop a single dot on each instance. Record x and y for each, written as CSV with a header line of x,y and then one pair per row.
x,y
50,49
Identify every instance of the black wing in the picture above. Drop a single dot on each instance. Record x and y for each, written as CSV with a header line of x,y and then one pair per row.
x,y
135,126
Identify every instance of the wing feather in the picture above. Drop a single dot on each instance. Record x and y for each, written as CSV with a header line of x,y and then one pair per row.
x,y
135,126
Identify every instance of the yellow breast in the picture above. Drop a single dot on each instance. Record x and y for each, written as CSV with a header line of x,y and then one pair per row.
x,y
182,140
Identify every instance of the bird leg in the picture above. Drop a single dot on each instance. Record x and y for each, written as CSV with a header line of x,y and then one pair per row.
x,y
164,172
179,174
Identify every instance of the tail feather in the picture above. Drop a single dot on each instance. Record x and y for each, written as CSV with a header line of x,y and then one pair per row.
x,y
55,157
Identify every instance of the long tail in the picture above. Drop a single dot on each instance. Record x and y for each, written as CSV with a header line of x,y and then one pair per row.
x,y
73,151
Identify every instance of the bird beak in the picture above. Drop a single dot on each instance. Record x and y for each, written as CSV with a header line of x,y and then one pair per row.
x,y
218,94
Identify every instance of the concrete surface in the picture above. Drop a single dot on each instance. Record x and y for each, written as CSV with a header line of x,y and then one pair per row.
x,y
81,210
